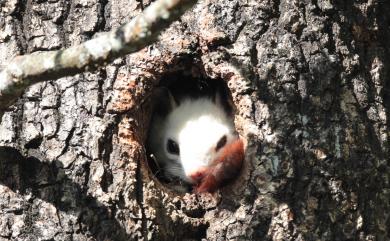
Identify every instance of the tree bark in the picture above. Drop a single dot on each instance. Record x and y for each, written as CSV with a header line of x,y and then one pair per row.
x,y
26,70
309,82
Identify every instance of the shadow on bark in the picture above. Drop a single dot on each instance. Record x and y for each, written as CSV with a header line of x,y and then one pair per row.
x,y
33,176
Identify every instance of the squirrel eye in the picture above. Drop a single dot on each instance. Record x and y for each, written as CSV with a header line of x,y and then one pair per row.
x,y
173,147
221,143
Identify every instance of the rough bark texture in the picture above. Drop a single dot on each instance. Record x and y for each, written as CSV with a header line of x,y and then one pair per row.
x,y
25,70
310,84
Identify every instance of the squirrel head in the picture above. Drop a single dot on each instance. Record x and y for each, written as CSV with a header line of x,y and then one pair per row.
x,y
197,143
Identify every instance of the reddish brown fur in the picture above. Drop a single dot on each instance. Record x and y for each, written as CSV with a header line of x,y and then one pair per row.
x,y
225,168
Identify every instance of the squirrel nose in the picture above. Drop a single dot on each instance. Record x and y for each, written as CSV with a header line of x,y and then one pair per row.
x,y
197,175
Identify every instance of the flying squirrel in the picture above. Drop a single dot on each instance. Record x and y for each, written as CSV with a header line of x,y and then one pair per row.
x,y
195,141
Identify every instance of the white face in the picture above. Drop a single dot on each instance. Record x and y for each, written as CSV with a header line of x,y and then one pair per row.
x,y
195,133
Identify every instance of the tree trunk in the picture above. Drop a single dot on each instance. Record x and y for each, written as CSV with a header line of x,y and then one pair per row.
x,y
310,87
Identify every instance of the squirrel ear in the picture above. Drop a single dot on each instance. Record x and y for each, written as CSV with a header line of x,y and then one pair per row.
x,y
218,98
163,101
221,99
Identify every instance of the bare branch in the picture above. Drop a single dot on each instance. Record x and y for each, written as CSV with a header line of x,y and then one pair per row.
x,y
141,31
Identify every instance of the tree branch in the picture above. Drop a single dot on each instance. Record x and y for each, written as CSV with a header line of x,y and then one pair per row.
x,y
141,31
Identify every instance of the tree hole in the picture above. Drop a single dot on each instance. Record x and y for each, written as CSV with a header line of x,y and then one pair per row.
x,y
176,89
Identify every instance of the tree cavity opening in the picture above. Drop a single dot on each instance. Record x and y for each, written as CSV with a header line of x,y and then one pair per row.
x,y
179,88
